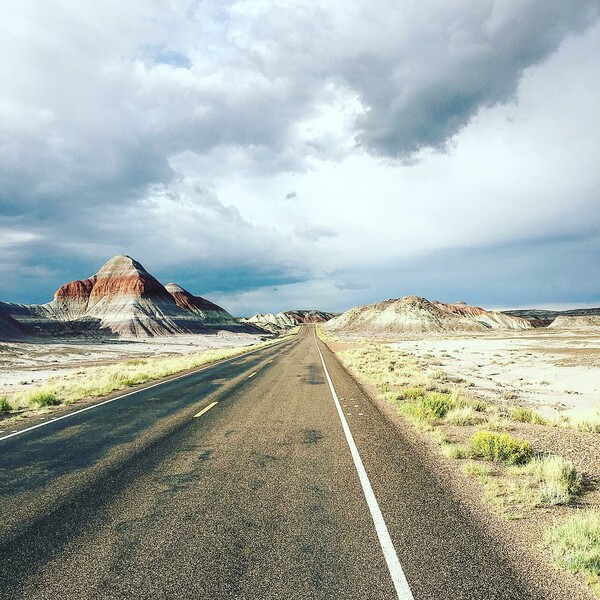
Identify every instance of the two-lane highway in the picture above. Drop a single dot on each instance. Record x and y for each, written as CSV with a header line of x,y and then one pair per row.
x,y
240,482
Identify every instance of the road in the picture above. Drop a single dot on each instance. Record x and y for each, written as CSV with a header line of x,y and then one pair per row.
x,y
238,482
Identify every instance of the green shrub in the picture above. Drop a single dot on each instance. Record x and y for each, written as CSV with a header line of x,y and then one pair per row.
x,y
575,543
436,406
427,409
5,405
526,415
43,399
500,447
412,393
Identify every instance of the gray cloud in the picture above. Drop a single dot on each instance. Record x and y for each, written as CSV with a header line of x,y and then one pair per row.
x,y
162,129
422,87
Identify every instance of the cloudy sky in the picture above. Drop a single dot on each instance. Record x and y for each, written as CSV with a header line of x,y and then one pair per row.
x,y
276,154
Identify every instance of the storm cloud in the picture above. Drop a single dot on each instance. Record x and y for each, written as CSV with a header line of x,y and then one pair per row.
x,y
172,129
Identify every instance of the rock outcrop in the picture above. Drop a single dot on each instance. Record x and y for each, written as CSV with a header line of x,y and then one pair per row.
x,y
576,322
539,317
419,315
288,319
10,328
488,318
122,299
208,312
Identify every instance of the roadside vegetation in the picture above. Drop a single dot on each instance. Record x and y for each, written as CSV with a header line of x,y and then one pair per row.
x,y
575,545
95,382
517,479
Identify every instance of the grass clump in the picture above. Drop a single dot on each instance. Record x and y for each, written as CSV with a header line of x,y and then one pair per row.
x,y
495,421
526,415
42,398
500,447
412,393
575,543
589,424
132,362
477,469
457,451
95,382
463,416
559,480
5,405
427,409
582,422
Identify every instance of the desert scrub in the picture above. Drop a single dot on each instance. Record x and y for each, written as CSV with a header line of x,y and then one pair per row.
x,y
575,544
428,409
42,398
510,492
590,424
464,415
526,415
457,451
101,381
495,420
558,479
500,447
5,405
412,393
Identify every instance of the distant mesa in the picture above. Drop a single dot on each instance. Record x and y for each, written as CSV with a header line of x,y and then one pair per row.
x,y
122,300
288,319
543,318
576,322
419,315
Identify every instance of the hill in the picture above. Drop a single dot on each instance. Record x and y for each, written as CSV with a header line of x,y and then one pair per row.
x,y
416,314
121,299
288,319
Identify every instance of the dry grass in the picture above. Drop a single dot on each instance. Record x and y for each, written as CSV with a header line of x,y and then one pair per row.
x,y
575,545
589,423
421,394
95,382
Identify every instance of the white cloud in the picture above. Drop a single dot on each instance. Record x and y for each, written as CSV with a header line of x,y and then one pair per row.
x,y
173,129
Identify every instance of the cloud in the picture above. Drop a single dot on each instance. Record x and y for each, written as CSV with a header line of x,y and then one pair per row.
x,y
315,233
432,67
171,130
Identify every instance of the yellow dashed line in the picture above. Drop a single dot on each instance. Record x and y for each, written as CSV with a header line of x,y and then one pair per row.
x,y
205,409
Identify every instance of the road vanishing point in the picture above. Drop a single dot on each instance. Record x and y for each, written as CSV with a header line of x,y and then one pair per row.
x,y
269,476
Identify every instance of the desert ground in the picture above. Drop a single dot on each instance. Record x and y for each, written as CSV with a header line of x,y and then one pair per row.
x,y
23,364
557,373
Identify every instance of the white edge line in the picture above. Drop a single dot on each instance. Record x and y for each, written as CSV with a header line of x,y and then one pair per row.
x,y
389,552
77,412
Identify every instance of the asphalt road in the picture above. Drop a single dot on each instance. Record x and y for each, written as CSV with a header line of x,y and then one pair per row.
x,y
257,497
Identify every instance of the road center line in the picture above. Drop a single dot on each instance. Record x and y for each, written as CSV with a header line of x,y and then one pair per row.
x,y
206,409
389,552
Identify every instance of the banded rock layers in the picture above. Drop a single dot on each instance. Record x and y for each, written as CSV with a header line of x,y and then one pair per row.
x,y
121,299
288,319
419,315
